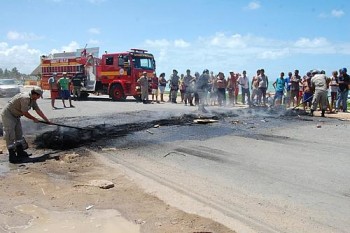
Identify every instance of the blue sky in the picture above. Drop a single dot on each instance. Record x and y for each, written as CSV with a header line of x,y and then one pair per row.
x,y
220,35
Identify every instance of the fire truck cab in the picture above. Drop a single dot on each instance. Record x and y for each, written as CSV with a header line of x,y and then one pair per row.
x,y
117,74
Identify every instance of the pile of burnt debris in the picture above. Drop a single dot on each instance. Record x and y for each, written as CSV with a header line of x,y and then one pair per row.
x,y
67,138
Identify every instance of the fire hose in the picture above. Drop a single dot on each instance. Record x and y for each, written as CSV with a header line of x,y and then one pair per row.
x,y
66,126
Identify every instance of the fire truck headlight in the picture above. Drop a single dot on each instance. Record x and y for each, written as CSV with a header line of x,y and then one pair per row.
x,y
138,88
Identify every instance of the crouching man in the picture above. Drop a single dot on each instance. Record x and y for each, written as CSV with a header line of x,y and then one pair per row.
x,y
19,106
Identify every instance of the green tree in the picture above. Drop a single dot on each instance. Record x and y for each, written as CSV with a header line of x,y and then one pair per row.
x,y
1,72
15,73
6,73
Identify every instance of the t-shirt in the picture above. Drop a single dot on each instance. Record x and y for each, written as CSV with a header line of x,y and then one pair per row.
x,y
263,81
295,82
280,83
77,81
333,84
64,83
244,81
52,83
154,82
343,81
287,83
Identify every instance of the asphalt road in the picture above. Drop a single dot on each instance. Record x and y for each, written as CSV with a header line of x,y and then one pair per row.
x,y
258,175
256,172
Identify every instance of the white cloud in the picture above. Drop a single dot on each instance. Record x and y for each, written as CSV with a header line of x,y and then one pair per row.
x,y
253,5
234,41
235,51
14,35
96,1
337,13
24,58
274,54
158,43
311,43
93,42
334,13
181,43
71,47
95,31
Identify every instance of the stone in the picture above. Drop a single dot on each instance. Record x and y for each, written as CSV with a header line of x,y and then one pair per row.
x,y
103,184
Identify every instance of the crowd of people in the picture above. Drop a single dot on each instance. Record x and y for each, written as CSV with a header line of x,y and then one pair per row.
x,y
310,91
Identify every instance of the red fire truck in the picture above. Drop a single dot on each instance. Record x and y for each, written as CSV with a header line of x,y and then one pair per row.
x,y
114,74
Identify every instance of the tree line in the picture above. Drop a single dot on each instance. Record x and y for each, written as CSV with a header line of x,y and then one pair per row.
x,y
11,73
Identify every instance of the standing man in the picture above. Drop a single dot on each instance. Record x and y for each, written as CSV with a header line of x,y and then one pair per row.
x,y
320,87
288,83
77,82
294,88
174,86
54,92
63,84
263,85
255,89
202,89
244,82
19,106
143,81
343,89
188,82
279,86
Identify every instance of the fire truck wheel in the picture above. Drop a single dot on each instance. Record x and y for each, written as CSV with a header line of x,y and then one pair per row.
x,y
117,93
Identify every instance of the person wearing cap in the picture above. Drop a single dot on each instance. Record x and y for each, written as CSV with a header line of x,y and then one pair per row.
x,y
343,90
143,81
63,85
53,86
17,107
319,84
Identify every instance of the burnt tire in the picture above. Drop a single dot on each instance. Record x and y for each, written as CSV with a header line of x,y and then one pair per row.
x,y
84,95
117,93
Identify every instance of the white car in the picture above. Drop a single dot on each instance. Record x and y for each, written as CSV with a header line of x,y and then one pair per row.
x,y
8,88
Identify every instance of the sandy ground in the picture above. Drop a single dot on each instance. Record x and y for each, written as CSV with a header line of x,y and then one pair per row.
x,y
59,194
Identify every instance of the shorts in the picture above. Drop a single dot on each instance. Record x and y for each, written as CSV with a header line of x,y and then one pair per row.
x,y
278,95
334,95
294,93
154,91
65,94
54,94
307,97
161,89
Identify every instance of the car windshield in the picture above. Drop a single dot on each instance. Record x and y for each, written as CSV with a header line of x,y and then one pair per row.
x,y
143,63
7,82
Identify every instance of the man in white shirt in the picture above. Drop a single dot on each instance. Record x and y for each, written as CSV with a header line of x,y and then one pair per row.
x,y
244,82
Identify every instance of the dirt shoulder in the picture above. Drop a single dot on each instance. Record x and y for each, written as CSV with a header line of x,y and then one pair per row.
x,y
58,194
